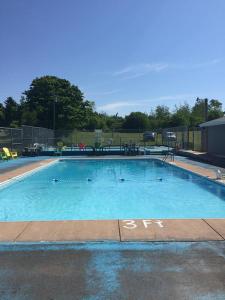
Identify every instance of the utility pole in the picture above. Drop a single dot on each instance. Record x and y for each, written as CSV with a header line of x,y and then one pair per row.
x,y
54,111
206,110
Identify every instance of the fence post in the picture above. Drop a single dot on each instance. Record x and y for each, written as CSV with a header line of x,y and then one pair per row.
x,y
193,134
182,138
75,132
11,135
187,138
32,136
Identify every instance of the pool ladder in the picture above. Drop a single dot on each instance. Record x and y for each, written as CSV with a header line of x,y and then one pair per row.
x,y
170,155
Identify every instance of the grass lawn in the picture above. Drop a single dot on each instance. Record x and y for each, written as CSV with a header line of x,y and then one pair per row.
x,y
192,138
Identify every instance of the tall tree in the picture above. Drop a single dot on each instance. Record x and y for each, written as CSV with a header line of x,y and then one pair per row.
x,y
181,116
56,103
2,115
11,112
152,120
96,121
162,115
198,112
136,120
215,109
114,122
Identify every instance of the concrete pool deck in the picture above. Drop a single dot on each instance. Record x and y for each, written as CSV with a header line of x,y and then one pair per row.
x,y
112,230
125,271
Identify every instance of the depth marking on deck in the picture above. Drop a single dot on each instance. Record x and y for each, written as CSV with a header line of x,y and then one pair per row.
x,y
132,224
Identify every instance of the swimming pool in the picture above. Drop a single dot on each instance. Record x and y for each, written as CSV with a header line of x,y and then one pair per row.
x,y
94,189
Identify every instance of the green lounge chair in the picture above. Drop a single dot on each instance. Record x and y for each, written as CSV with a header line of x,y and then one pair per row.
x,y
3,156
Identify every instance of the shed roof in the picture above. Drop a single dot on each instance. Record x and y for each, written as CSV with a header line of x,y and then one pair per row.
x,y
216,122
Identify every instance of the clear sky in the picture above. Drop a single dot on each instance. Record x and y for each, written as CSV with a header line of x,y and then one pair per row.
x,y
126,55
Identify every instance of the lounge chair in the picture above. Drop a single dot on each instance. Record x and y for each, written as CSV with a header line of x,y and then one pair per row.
x,y
9,154
81,146
3,156
220,175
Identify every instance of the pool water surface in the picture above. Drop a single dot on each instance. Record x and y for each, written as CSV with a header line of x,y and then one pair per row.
x,y
111,189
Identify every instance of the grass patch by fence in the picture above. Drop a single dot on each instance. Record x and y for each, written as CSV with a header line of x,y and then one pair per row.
x,y
188,140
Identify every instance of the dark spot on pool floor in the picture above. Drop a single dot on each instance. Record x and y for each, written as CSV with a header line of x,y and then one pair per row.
x,y
113,271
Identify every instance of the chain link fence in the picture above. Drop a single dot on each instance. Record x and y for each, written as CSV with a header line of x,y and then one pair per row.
x,y
40,135
19,138
176,137
11,138
114,138
187,138
183,138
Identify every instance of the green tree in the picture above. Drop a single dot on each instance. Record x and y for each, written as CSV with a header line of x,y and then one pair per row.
x,y
55,102
215,109
198,112
2,115
28,116
162,116
114,122
96,121
153,124
181,116
11,110
136,120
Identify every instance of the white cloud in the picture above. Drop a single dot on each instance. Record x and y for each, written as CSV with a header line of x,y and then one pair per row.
x,y
138,70
173,97
115,105
190,66
103,93
142,104
207,63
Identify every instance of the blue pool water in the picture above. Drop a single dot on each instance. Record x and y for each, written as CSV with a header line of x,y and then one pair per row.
x,y
111,189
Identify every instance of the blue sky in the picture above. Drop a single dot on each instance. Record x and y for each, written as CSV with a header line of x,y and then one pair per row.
x,y
126,55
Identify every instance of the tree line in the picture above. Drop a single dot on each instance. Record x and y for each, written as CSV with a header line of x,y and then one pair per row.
x,y
53,102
